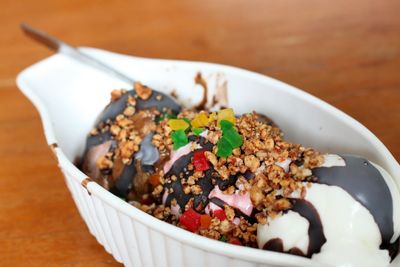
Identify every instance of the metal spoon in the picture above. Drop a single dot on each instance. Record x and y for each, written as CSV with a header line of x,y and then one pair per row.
x,y
67,49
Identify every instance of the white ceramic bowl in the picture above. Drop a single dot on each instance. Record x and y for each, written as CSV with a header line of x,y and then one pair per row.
x,y
70,95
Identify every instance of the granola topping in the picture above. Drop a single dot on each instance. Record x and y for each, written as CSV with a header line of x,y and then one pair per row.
x,y
217,175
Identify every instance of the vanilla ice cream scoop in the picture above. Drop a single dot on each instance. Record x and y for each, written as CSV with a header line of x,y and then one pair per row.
x,y
352,213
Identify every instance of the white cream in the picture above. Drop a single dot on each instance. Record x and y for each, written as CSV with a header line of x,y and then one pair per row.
x,y
290,227
284,164
333,160
353,237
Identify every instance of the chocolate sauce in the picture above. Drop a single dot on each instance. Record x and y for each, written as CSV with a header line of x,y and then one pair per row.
x,y
265,119
177,193
179,167
366,185
124,182
316,235
275,244
392,248
201,200
199,80
94,140
124,175
315,231
220,203
117,107
224,184
133,174
206,184
93,144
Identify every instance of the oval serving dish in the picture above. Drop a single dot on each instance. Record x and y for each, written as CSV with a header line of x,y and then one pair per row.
x,y
69,96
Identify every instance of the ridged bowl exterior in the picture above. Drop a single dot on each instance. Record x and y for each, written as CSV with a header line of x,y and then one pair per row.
x,y
134,243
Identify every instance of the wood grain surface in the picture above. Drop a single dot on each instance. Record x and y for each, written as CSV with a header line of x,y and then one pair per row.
x,y
345,52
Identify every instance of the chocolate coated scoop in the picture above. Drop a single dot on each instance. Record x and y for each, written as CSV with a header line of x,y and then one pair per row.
x,y
124,175
365,184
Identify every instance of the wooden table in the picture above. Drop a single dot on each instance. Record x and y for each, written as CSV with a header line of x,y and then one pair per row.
x,y
345,53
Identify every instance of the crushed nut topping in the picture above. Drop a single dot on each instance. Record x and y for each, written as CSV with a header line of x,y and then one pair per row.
x,y
251,168
143,91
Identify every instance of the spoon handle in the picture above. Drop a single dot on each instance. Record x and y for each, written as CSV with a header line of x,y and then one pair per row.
x,y
67,49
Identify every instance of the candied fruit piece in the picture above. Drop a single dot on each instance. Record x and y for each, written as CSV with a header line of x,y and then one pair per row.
x,y
226,125
213,116
201,120
233,137
224,148
220,214
154,179
179,139
178,124
235,241
205,221
200,161
226,114
190,220
197,131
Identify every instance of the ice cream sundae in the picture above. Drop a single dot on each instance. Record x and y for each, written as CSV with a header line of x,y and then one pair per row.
x,y
234,178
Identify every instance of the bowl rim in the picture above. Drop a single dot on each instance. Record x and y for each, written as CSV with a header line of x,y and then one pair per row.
x,y
179,234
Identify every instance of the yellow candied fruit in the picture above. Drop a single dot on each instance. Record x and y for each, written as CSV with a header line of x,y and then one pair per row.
x,y
200,121
226,114
213,117
176,124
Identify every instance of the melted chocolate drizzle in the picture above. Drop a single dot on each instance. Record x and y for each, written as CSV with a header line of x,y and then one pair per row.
x,y
148,154
94,140
180,167
366,185
124,182
117,107
315,231
199,80
199,201
276,244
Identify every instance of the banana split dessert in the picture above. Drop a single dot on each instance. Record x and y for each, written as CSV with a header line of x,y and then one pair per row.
x,y
234,178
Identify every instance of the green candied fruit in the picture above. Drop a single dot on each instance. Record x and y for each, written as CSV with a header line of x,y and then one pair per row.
x,y
233,137
224,148
226,125
223,239
197,131
179,139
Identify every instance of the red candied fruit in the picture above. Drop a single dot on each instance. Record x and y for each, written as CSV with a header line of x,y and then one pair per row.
x,y
205,221
235,241
147,200
200,161
220,214
190,220
154,179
